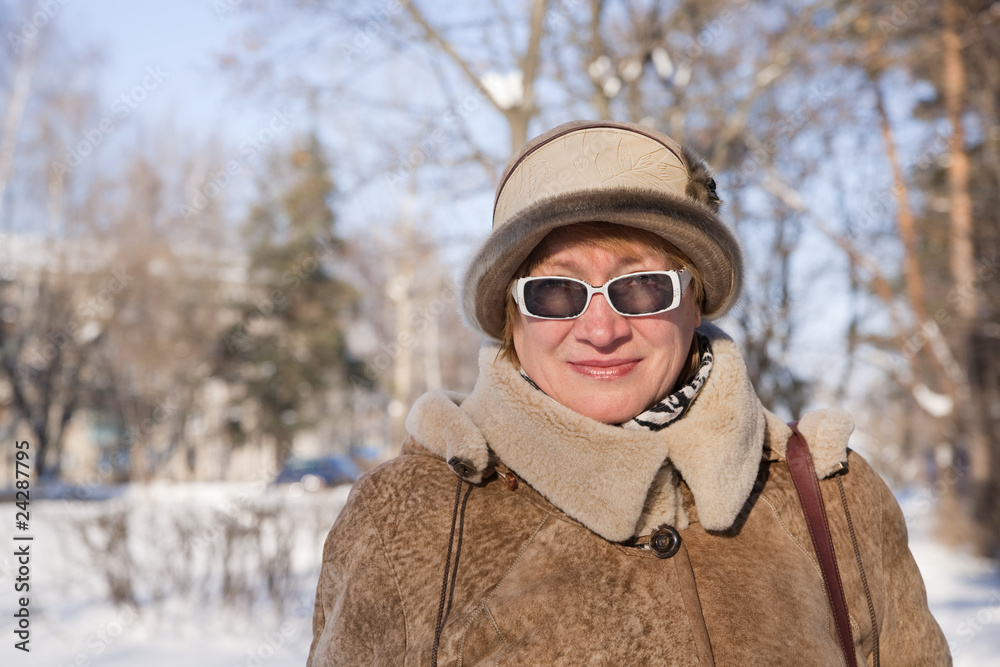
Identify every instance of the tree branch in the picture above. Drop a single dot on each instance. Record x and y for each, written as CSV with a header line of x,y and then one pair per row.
x,y
435,36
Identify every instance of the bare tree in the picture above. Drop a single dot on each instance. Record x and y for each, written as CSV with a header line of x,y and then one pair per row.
x,y
796,106
54,294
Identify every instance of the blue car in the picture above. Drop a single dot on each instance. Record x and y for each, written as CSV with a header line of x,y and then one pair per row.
x,y
319,472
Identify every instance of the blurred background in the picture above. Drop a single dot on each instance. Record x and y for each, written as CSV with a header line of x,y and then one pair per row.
x,y
230,232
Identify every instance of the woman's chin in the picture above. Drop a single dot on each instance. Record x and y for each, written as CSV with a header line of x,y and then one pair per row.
x,y
608,412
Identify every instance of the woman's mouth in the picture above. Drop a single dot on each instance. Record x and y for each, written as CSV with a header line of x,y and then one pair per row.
x,y
605,369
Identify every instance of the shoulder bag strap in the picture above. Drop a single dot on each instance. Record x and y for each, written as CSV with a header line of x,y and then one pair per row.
x,y
800,464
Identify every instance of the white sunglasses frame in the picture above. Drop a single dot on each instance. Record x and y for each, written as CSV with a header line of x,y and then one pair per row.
x,y
680,279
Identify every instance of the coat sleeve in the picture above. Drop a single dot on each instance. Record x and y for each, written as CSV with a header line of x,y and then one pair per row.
x,y
908,635
359,616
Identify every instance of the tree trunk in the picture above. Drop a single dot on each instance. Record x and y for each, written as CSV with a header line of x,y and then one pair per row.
x,y
963,270
15,109
962,259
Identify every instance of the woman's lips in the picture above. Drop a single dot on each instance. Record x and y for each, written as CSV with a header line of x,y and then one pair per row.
x,y
604,369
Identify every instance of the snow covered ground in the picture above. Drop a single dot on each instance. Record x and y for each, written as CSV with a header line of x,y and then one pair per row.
x,y
196,563
963,591
221,576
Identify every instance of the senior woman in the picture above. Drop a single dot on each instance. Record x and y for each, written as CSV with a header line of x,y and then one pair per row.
x,y
612,491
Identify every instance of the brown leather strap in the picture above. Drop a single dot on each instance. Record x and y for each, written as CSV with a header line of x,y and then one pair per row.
x,y
800,464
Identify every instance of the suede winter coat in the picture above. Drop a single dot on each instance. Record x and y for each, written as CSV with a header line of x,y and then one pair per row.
x,y
533,547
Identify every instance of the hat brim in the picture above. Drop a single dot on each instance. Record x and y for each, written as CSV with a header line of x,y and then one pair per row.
x,y
690,226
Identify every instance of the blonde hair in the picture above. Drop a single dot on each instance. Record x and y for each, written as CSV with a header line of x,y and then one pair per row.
x,y
618,239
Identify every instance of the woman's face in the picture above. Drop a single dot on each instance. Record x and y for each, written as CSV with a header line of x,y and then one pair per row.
x,y
604,365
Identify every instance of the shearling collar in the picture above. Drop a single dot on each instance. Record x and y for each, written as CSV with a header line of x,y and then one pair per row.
x,y
619,482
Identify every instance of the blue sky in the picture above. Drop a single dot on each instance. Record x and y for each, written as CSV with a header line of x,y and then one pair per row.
x,y
182,38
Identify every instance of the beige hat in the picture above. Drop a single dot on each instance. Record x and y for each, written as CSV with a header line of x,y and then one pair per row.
x,y
602,171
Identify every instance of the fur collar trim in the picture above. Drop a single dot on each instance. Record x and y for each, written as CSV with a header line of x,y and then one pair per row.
x,y
617,482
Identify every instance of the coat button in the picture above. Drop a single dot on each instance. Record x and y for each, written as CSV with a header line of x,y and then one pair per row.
x,y
511,480
664,542
462,467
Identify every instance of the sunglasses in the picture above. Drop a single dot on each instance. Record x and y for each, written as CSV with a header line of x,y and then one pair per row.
x,y
632,295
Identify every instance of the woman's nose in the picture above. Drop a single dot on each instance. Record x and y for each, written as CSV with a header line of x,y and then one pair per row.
x,y
600,325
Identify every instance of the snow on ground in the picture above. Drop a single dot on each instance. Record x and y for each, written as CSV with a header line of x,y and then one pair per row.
x,y
963,591
222,575
196,557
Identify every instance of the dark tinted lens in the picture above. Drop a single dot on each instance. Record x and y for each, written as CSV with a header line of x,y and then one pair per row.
x,y
554,297
641,294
